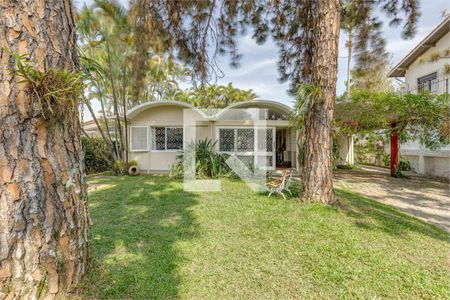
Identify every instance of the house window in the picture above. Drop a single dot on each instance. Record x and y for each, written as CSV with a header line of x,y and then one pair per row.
x,y
138,138
226,140
167,138
252,147
428,83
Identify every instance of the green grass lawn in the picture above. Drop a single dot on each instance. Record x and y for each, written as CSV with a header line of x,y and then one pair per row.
x,y
152,240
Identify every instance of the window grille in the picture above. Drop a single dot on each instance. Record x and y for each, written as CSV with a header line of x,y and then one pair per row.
x,y
226,140
428,83
245,139
174,138
167,138
253,147
265,140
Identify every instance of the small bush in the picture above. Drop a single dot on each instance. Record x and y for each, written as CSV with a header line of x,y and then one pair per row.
x,y
404,165
97,157
132,163
119,167
208,162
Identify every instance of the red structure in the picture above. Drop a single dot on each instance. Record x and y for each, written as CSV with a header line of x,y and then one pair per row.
x,y
394,149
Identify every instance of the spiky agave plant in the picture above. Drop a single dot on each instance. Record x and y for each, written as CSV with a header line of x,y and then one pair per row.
x,y
208,162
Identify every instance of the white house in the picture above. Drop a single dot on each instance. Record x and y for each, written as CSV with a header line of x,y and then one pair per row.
x,y
158,130
427,67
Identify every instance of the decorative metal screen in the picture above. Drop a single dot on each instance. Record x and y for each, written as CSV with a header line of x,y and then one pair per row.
x,y
167,138
159,138
245,140
252,146
139,138
174,138
265,140
226,140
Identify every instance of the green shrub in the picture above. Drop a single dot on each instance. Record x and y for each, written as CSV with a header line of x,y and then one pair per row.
x,y
404,165
208,162
132,163
97,157
119,167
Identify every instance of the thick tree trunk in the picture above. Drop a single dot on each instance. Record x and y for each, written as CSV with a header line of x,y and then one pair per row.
x,y
44,222
322,71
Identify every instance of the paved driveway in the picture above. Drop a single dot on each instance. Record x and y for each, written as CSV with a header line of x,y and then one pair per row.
x,y
428,199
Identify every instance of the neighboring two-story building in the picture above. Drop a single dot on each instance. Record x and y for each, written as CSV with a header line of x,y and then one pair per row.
x,y
427,67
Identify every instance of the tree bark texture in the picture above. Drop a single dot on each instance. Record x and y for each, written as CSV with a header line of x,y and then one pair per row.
x,y
322,73
44,222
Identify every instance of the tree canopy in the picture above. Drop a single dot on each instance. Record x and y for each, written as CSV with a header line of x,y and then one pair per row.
x,y
423,116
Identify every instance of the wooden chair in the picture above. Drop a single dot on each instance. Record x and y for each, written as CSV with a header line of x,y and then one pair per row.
x,y
279,185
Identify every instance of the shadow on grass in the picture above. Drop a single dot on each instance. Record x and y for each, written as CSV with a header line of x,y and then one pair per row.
x,y
137,224
369,214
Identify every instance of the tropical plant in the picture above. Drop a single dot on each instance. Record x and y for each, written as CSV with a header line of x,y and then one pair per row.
x,y
108,51
208,162
215,96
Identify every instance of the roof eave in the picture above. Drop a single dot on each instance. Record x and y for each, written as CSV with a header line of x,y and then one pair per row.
x,y
428,42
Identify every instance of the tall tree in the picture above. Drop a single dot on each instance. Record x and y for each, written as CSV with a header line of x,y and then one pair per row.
x,y
307,34
44,222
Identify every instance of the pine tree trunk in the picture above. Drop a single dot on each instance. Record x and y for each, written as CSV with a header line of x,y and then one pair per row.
x,y
317,163
44,222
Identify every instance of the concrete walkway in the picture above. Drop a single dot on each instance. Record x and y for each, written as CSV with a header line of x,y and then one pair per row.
x,y
428,199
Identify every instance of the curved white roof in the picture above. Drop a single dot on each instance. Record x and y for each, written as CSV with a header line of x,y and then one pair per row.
x,y
252,103
151,104
244,104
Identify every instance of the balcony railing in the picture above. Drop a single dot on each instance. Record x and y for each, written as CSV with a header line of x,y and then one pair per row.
x,y
436,86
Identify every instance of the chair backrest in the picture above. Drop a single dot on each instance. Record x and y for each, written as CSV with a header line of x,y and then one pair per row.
x,y
286,176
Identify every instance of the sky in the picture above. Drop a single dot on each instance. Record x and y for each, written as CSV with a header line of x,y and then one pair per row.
x,y
258,67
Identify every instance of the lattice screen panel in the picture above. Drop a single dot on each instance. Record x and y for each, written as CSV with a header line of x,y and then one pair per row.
x,y
158,138
265,140
245,140
226,139
174,138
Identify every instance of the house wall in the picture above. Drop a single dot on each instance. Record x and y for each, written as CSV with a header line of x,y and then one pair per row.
x,y
424,161
419,69
345,149
173,115
160,116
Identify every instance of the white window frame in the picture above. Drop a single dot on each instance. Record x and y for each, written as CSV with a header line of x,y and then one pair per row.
x,y
165,139
131,139
255,153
